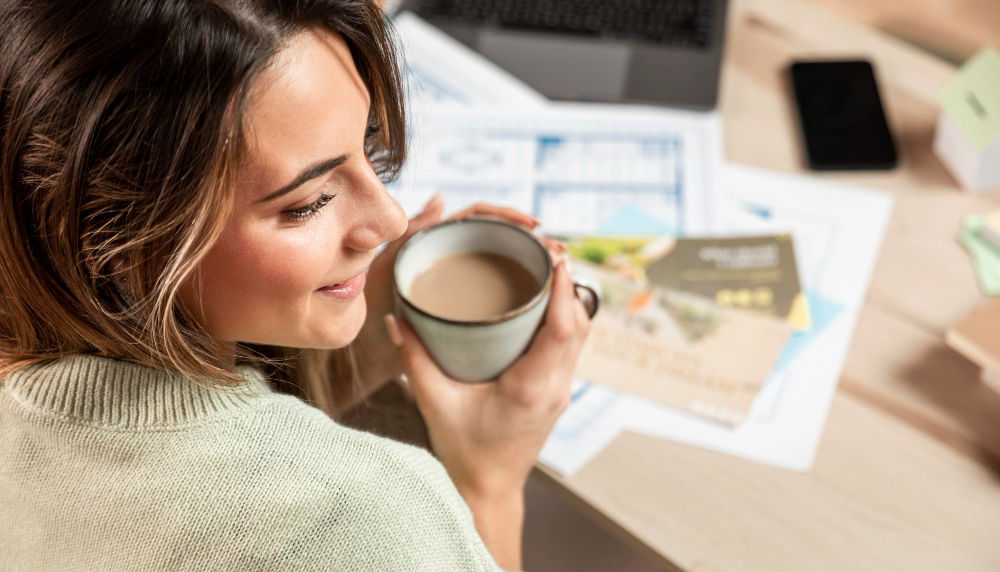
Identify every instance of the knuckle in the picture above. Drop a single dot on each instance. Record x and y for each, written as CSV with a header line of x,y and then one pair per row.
x,y
564,402
559,403
552,408
528,395
562,331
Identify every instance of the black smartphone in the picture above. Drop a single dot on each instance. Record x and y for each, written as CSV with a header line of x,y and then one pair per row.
x,y
841,114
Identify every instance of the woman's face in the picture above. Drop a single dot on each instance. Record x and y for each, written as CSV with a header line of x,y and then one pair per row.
x,y
290,265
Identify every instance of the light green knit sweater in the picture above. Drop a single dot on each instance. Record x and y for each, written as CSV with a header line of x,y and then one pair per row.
x,y
106,465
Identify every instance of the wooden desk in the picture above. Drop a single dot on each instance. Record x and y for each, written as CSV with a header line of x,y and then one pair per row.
x,y
906,477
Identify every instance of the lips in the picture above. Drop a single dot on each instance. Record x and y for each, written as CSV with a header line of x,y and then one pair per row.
x,y
346,289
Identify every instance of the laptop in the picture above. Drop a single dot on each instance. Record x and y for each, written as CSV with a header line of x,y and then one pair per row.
x,y
665,52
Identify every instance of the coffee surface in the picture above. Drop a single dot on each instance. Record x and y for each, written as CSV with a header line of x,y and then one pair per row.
x,y
472,286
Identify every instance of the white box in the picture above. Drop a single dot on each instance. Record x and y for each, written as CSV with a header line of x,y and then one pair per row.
x,y
967,139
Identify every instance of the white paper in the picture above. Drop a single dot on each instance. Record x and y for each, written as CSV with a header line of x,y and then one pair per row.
x,y
570,165
443,72
838,233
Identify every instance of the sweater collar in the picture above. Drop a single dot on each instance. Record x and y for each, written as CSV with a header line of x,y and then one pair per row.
x,y
120,394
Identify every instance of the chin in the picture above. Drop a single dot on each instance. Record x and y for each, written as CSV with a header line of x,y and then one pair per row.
x,y
346,325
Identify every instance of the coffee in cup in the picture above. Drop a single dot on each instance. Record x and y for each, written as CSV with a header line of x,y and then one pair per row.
x,y
475,291
472,286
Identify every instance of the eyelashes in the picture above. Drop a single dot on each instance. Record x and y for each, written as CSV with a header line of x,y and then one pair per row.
x,y
305,212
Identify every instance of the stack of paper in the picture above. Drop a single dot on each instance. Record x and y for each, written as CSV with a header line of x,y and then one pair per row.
x,y
838,231
480,135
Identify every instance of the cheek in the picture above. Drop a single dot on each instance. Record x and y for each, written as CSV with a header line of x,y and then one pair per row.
x,y
254,279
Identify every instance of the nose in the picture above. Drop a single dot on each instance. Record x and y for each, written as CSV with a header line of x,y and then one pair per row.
x,y
375,217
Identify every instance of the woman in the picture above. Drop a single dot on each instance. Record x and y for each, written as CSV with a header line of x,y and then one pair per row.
x,y
181,180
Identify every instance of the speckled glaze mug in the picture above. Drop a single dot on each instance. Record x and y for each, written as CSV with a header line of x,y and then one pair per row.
x,y
480,350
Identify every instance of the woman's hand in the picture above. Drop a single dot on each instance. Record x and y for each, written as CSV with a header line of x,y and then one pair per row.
x,y
377,358
488,435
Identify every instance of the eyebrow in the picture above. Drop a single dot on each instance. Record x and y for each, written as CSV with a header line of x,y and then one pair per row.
x,y
308,174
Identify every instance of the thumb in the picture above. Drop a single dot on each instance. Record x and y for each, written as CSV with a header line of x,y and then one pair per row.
x,y
432,211
430,215
425,379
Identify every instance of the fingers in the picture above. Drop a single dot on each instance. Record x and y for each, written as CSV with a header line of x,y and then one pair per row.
x,y
423,375
559,338
555,247
498,211
431,214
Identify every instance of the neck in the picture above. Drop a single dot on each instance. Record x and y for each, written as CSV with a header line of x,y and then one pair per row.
x,y
122,394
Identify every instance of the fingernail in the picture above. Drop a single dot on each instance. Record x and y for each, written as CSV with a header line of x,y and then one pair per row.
x,y
433,202
392,328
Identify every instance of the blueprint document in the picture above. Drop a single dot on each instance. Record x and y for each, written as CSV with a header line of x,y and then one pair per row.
x,y
481,135
838,232
573,166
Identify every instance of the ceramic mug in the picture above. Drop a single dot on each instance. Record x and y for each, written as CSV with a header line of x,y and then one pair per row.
x,y
480,350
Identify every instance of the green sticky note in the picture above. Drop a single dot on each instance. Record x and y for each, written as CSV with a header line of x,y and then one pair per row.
x,y
972,98
984,257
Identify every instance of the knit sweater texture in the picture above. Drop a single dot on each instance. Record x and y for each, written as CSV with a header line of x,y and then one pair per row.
x,y
107,465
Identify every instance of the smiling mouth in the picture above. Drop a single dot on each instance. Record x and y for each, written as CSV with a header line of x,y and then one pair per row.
x,y
346,289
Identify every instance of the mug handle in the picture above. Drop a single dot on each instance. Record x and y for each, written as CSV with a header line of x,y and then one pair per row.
x,y
587,287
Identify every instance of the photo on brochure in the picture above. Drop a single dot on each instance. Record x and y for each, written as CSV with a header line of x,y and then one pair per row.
x,y
677,329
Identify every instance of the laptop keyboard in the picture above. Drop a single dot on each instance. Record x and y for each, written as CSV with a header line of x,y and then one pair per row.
x,y
680,23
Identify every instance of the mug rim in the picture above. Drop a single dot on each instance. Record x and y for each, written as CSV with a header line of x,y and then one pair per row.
x,y
513,313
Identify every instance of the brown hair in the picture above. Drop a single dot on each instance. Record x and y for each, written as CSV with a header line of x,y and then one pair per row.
x,y
122,125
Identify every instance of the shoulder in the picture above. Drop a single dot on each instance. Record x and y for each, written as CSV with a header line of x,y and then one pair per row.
x,y
377,469
324,444
361,497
